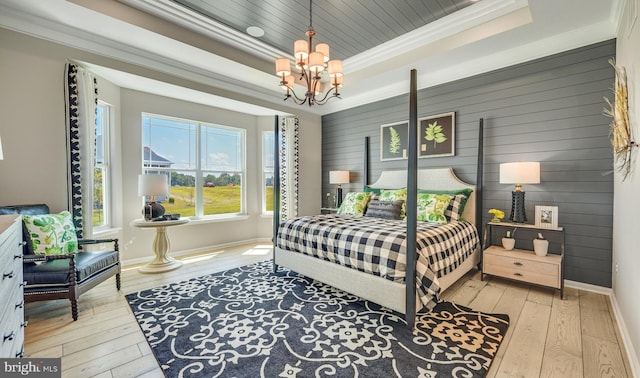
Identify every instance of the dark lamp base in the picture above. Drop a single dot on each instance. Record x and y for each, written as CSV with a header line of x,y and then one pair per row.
x,y
518,214
153,210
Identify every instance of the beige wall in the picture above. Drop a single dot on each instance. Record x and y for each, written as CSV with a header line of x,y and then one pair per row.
x,y
32,128
626,246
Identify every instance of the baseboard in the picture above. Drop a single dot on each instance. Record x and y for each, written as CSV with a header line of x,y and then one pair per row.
x,y
624,332
628,345
143,260
588,287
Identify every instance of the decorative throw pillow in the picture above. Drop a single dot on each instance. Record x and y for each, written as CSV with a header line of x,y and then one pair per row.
x,y
455,208
465,192
384,209
51,234
431,207
395,195
354,203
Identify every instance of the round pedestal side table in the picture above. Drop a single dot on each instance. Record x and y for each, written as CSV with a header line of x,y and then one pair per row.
x,y
161,262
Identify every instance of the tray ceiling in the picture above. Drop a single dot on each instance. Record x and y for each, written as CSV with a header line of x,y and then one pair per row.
x,y
349,27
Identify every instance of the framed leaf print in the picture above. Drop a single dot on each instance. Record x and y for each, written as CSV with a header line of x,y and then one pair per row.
x,y
394,139
436,135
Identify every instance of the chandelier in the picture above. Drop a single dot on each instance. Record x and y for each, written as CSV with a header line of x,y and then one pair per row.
x,y
311,66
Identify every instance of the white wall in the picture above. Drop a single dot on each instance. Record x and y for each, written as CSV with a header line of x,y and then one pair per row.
x,y
626,207
32,127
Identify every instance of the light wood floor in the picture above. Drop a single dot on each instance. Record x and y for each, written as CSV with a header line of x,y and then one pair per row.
x,y
548,337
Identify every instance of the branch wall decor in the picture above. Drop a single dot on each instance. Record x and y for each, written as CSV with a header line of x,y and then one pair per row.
x,y
620,130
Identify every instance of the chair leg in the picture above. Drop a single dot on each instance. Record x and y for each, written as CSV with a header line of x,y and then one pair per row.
x,y
118,281
74,309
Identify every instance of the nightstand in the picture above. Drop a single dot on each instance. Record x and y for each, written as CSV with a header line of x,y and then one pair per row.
x,y
521,263
328,210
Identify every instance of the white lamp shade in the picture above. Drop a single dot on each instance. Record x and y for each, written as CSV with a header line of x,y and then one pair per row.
x,y
1,156
301,49
283,67
338,177
335,68
520,173
153,185
324,49
316,61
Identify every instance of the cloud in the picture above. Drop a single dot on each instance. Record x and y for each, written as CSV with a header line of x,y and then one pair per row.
x,y
218,160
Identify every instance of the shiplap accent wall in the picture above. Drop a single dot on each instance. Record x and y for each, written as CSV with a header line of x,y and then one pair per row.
x,y
547,110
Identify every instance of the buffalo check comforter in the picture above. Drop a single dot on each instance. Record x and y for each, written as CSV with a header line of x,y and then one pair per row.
x,y
376,246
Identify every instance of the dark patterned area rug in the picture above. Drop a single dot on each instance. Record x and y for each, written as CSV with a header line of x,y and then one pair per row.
x,y
251,322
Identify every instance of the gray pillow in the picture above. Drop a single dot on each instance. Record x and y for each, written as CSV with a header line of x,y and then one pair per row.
x,y
384,209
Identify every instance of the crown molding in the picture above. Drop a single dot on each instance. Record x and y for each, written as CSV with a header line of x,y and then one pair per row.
x,y
467,18
192,20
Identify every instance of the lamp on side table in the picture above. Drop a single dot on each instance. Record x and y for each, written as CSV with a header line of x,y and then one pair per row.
x,y
153,185
339,178
519,173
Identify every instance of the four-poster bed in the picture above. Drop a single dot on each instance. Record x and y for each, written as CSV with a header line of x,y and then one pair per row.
x,y
393,286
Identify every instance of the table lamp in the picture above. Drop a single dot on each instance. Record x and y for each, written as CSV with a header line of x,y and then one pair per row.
x,y
338,177
519,173
1,157
153,185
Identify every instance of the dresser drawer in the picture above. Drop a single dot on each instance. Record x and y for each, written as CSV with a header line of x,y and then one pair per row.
x,y
516,262
552,280
11,328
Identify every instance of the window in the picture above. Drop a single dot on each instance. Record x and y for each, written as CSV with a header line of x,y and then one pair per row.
x,y
268,139
101,179
205,164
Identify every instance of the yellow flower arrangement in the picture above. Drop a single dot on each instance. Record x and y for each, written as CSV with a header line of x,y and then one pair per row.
x,y
497,215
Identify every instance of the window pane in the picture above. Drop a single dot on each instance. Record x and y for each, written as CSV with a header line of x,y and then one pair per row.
x,y
182,194
100,186
204,160
100,120
168,143
221,150
267,164
98,215
222,193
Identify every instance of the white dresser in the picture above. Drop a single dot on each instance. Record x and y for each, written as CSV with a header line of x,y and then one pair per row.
x,y
11,298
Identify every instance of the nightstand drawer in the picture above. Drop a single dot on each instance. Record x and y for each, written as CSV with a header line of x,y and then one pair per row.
x,y
519,263
552,280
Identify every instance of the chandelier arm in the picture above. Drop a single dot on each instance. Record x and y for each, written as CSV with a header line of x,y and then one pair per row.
x,y
292,94
326,97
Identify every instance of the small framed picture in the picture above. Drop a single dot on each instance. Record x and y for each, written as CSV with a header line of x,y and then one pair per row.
x,y
547,216
394,139
436,135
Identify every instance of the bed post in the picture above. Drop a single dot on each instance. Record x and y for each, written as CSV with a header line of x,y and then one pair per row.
x,y
412,199
365,174
276,187
479,181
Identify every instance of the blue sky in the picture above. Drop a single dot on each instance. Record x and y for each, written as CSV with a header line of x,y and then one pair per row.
x,y
221,147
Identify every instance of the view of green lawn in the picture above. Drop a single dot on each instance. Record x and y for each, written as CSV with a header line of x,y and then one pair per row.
x,y
217,200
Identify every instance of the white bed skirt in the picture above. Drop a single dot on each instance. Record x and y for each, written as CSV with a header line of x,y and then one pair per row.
x,y
373,288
